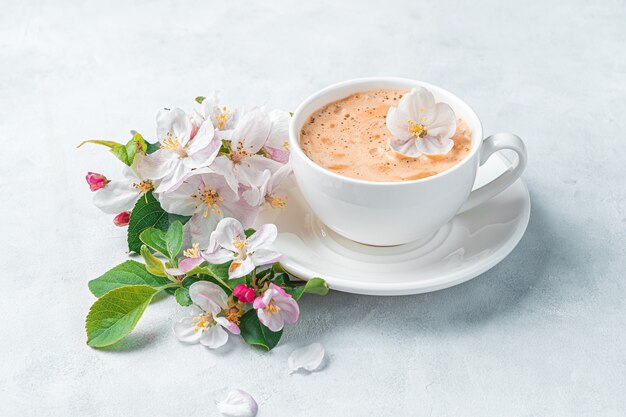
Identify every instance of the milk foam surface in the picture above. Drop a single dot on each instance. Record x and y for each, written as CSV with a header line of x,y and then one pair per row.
x,y
350,137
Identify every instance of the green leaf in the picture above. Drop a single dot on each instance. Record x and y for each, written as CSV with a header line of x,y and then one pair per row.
x,y
115,314
177,218
127,273
215,271
108,143
249,232
153,264
120,151
182,297
256,334
174,239
146,214
200,99
152,147
155,239
315,286
121,154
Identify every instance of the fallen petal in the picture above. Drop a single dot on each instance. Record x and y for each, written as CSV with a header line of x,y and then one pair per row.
x,y
309,358
237,403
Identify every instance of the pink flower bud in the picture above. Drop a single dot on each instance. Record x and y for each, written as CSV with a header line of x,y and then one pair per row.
x,y
122,219
96,181
244,293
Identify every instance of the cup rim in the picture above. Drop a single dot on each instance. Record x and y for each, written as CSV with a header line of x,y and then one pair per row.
x,y
294,134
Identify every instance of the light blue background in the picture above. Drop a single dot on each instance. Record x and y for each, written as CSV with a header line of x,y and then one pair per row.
x,y
541,334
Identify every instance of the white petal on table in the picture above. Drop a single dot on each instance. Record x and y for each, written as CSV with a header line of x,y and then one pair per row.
x,y
309,358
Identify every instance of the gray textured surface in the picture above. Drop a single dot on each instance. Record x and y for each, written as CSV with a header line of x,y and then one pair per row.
x,y
543,333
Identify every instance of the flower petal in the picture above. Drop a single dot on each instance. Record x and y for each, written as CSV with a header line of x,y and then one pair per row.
x,y
237,403
279,132
225,167
262,257
227,230
179,200
249,170
187,264
433,146
174,177
239,269
289,309
264,235
214,336
208,296
405,147
185,330
205,137
201,227
443,124
398,127
309,358
156,165
252,131
217,256
418,105
273,321
174,122
225,323
116,196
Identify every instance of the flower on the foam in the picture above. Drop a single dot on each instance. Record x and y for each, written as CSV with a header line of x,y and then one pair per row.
x,y
421,126
275,308
264,188
247,139
210,315
207,197
183,146
229,243
117,196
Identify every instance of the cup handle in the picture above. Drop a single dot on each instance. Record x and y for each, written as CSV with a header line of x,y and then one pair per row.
x,y
492,144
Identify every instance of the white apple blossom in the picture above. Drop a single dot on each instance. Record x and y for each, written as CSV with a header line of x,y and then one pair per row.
x,y
264,188
229,242
208,197
222,117
121,195
421,126
249,136
206,322
183,146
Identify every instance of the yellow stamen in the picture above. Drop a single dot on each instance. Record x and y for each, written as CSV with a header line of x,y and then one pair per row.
x,y
286,145
272,309
239,244
211,198
277,202
144,186
221,117
193,252
233,315
170,142
202,321
416,129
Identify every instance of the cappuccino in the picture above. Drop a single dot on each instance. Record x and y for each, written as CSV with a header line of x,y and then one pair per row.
x,y
350,137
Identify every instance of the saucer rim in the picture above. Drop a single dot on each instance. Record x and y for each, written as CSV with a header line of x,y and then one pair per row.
x,y
422,286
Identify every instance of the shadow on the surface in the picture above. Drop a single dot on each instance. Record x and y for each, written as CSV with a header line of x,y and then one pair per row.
x,y
504,289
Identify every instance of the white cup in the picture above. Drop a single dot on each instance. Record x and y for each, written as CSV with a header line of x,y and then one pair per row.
x,y
393,213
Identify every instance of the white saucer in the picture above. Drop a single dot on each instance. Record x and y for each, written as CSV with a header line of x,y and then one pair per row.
x,y
467,246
